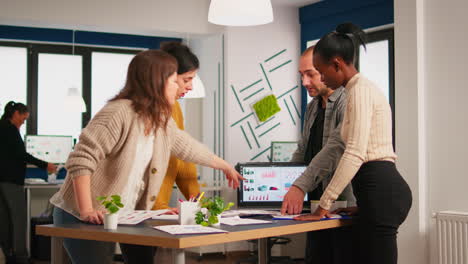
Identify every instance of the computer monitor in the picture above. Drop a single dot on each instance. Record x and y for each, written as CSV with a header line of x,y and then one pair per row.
x,y
53,149
266,183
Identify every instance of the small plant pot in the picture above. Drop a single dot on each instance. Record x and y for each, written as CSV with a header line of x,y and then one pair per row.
x,y
111,221
219,221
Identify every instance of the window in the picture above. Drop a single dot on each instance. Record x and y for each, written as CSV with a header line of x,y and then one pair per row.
x,y
40,75
108,75
13,73
376,62
56,74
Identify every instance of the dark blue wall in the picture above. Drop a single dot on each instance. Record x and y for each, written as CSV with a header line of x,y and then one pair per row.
x,y
81,37
320,18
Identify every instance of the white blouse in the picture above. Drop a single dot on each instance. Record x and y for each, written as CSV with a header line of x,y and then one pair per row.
x,y
136,186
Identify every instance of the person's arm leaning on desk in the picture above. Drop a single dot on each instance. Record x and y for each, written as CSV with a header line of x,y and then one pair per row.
x,y
322,166
184,147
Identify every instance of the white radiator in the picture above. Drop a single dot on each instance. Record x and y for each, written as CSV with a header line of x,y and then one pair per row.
x,y
452,237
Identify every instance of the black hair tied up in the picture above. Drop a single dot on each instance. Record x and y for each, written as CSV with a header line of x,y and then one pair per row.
x,y
343,42
185,58
11,107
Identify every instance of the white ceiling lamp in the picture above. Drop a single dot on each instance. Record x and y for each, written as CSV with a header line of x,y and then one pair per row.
x,y
240,12
198,89
74,101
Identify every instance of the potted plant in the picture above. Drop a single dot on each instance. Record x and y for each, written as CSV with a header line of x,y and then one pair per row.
x,y
112,204
211,209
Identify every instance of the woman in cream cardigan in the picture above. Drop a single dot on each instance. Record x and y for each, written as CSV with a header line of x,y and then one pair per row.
x,y
125,150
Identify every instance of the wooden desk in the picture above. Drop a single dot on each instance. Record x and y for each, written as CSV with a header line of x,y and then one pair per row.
x,y
144,234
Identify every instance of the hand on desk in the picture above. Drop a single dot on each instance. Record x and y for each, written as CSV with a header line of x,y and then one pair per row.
x,y
353,210
172,211
293,201
93,217
317,215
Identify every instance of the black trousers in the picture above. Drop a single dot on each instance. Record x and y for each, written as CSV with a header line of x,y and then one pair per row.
x,y
330,246
384,200
135,254
13,220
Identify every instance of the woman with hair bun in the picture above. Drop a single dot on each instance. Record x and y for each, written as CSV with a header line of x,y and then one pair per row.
x,y
184,174
13,160
382,195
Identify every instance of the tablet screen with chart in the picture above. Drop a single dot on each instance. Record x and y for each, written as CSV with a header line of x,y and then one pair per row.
x,y
53,149
266,184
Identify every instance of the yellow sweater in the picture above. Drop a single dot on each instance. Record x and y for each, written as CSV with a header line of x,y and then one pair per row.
x,y
183,173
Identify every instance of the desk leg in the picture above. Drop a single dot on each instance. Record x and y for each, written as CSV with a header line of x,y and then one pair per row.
x,y
262,251
28,221
58,255
178,256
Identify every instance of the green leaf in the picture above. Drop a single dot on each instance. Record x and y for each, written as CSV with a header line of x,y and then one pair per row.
x,y
115,198
101,198
119,204
204,223
199,217
113,209
213,219
228,206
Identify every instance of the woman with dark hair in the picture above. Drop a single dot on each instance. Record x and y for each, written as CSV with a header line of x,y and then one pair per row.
x,y
184,174
382,195
125,150
13,160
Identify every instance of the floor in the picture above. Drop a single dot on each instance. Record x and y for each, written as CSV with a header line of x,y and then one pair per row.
x,y
165,256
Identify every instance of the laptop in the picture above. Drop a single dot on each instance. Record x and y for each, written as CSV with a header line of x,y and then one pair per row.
x,y
266,183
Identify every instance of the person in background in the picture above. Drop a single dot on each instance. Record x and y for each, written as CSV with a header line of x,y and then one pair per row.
x,y
383,197
184,174
13,160
321,148
125,150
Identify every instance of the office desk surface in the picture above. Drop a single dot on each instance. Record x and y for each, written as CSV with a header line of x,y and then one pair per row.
x,y
144,234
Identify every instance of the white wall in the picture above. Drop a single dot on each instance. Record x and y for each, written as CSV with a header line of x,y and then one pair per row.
x,y
409,112
247,48
431,121
446,93
145,17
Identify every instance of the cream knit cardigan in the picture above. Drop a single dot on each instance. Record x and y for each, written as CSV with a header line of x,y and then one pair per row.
x,y
366,131
106,150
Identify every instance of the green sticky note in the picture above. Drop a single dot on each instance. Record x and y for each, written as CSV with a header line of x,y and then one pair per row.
x,y
266,108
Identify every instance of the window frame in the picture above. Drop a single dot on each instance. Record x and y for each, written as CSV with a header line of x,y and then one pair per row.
x,y
33,51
